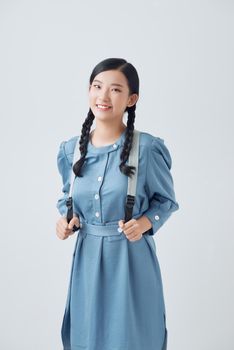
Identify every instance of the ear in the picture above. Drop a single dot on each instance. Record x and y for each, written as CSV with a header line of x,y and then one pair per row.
x,y
132,100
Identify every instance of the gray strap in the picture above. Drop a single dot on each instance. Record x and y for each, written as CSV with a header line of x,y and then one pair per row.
x,y
76,156
133,161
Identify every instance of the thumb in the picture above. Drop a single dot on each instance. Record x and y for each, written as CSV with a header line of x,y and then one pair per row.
x,y
72,222
121,223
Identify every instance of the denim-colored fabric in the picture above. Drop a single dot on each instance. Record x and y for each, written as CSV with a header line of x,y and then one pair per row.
x,y
115,296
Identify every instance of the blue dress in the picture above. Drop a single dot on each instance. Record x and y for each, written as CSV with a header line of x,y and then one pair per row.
x,y
115,295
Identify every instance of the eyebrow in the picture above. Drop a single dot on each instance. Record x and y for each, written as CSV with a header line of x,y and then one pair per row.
x,y
111,84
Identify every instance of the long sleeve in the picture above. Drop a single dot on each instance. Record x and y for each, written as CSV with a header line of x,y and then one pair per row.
x,y
159,185
64,168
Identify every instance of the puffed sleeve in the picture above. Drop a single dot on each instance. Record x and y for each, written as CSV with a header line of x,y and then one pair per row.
x,y
159,185
64,168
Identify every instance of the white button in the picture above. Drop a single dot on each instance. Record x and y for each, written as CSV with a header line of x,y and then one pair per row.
x,y
156,217
97,214
81,225
96,196
114,145
99,178
120,229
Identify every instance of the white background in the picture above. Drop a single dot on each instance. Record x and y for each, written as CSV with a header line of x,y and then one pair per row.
x,y
183,52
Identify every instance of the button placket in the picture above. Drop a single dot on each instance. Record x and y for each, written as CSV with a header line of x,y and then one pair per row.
x,y
96,196
98,181
97,213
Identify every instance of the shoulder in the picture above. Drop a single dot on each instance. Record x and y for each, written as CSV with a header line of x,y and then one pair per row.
x,y
155,147
149,140
66,149
69,144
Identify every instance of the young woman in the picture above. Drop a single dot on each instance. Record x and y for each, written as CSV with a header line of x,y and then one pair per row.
x,y
115,298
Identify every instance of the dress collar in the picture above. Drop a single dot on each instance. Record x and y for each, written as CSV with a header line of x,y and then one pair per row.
x,y
109,148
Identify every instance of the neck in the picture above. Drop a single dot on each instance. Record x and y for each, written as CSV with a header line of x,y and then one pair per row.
x,y
104,133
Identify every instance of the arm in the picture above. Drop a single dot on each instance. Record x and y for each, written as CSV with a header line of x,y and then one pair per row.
x,y
159,185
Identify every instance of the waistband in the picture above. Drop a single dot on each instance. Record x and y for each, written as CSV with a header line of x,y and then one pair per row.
x,y
100,230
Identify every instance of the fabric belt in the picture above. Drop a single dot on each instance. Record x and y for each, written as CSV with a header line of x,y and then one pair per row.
x,y
100,230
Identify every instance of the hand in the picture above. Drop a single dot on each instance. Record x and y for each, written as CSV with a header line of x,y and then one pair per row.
x,y
63,229
132,229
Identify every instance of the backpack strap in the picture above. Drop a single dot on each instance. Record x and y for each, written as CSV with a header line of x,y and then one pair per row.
x,y
69,200
132,181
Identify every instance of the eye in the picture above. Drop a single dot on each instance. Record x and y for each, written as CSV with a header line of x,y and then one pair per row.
x,y
96,85
117,89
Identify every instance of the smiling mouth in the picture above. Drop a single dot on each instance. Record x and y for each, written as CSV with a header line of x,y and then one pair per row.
x,y
103,107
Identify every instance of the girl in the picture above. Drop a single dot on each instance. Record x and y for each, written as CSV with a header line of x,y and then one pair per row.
x,y
115,298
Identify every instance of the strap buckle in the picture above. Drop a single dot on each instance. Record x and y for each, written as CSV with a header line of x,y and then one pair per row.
x,y
130,200
69,202
69,209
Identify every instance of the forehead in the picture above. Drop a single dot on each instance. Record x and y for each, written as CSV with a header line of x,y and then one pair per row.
x,y
111,77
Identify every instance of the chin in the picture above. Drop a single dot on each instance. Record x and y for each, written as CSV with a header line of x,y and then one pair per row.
x,y
102,114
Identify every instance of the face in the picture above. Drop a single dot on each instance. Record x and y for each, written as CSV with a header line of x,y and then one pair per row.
x,y
110,90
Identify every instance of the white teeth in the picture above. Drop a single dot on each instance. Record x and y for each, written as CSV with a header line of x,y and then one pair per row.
x,y
103,107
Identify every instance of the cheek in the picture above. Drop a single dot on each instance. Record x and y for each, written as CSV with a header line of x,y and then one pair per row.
x,y
92,97
120,102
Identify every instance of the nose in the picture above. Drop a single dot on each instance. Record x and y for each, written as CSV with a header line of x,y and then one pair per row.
x,y
104,95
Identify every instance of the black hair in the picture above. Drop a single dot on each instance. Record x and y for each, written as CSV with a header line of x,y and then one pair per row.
x,y
133,84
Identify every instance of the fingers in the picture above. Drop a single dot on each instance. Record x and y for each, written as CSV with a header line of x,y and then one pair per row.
x,y
121,224
63,229
134,236
61,233
74,221
130,229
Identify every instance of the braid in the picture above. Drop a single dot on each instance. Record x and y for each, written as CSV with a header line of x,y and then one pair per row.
x,y
84,140
125,169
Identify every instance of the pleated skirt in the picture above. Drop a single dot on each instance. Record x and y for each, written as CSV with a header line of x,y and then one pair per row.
x,y
115,295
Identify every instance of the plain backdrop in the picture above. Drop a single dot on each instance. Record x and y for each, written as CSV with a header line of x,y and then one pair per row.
x,y
183,52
